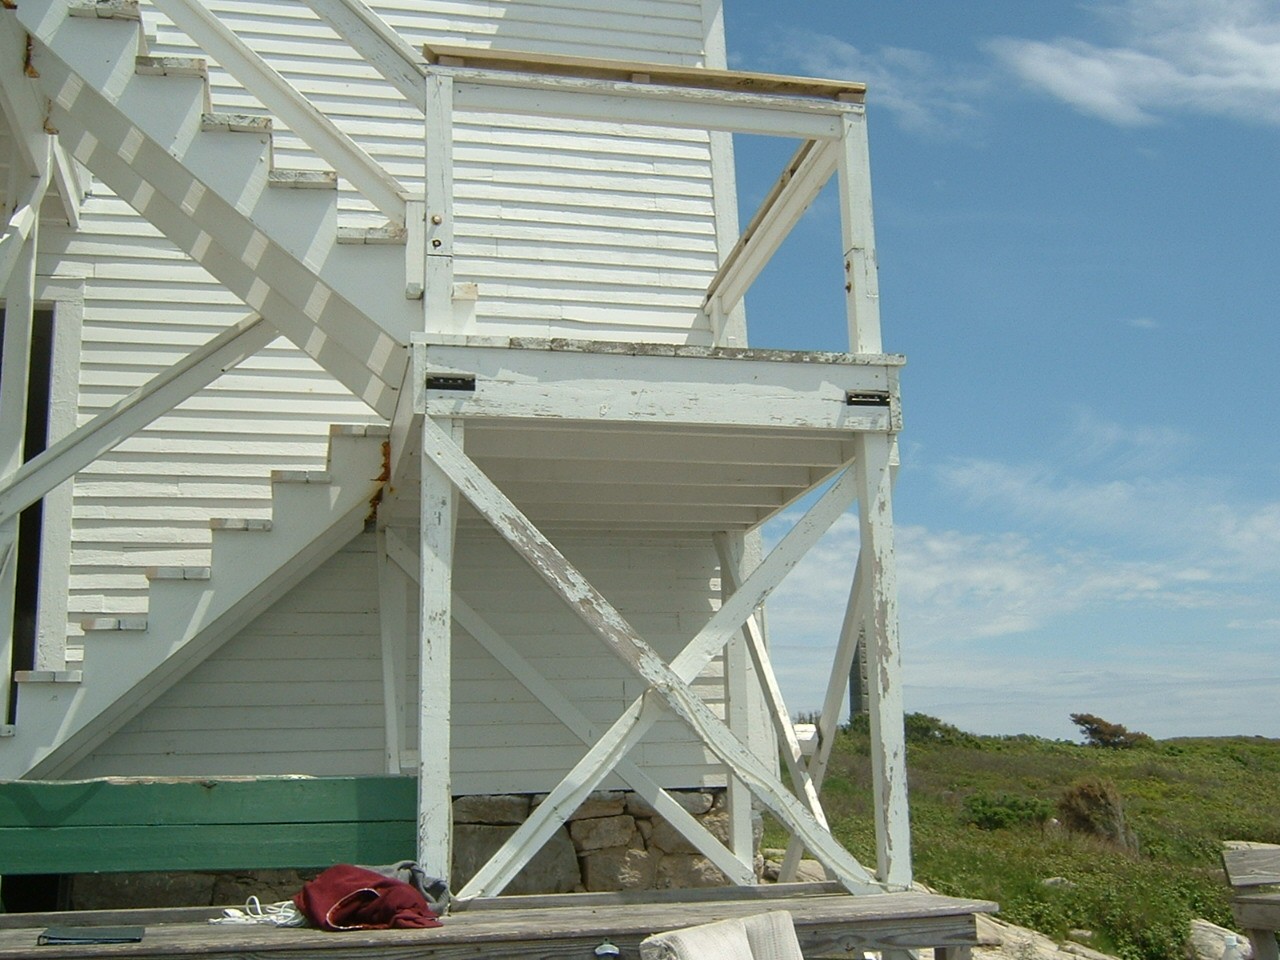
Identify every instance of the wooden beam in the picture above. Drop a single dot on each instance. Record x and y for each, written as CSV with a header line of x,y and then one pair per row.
x,y
736,389
19,315
631,72
25,193
792,755
851,631
393,632
399,62
872,468
62,460
738,696
800,183
486,90
24,108
862,283
439,213
438,520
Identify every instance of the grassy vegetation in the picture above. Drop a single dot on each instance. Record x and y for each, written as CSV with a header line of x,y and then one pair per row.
x,y
983,812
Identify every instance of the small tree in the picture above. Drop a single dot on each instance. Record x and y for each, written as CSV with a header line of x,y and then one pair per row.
x,y
1101,733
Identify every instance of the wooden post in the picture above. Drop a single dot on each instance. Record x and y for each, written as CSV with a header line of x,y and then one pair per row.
x,y
438,522
737,694
18,318
438,277
888,743
393,627
862,286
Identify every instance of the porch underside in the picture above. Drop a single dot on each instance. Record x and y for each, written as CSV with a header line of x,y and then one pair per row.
x,y
684,440
828,923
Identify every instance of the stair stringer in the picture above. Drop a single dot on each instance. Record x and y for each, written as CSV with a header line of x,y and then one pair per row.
x,y
124,671
275,248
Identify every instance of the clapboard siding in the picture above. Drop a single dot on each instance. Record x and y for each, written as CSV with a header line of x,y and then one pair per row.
x,y
521,183
577,229
570,229
300,690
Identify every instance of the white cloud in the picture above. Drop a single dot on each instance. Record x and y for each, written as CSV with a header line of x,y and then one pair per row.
x,y
915,89
1000,628
1218,57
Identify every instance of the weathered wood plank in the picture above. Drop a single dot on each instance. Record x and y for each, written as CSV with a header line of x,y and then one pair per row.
x,y
699,77
181,802
825,925
1251,864
145,847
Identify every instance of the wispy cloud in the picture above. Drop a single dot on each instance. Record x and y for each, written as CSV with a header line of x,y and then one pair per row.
x,y
923,95
1218,57
992,621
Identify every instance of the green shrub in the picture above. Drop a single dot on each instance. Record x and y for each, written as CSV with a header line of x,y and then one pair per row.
x,y
1004,810
1094,807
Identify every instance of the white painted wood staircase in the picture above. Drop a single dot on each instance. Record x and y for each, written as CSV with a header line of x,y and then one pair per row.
x,y
145,127
130,661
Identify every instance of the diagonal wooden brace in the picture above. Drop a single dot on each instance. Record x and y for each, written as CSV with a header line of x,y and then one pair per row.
x,y
575,721
791,753
665,682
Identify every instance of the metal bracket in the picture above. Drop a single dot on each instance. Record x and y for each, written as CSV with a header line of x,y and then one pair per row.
x,y
451,382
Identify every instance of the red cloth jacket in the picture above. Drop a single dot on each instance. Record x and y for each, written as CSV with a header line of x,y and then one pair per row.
x,y
350,898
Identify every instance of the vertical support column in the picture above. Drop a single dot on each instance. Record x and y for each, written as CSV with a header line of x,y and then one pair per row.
x,y
438,277
393,627
884,660
67,297
438,518
18,318
862,286
737,664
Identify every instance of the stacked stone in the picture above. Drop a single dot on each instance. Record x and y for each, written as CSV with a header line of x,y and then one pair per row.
x,y
614,841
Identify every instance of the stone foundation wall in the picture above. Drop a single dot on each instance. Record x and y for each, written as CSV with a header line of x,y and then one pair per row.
x,y
613,841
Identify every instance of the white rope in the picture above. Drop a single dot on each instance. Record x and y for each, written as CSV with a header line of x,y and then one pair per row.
x,y
282,914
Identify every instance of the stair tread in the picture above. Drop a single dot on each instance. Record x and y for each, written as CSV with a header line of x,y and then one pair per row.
x,y
235,123
301,476
178,573
113,623
303,179
259,524
377,430
384,234
172,66
106,9
48,676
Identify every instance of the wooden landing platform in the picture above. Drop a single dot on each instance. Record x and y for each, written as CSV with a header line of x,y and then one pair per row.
x,y
828,923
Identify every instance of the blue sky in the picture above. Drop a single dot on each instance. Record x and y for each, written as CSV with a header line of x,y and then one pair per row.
x,y
1078,225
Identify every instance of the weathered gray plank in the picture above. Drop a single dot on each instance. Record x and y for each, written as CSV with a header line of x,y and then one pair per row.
x,y
825,924
1251,864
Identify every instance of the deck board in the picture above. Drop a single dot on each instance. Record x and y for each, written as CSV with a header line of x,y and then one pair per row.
x,y
828,924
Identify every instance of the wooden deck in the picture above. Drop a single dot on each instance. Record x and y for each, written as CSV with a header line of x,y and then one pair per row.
x,y
828,923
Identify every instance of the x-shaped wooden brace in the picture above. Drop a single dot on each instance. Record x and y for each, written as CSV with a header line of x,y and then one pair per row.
x,y
668,683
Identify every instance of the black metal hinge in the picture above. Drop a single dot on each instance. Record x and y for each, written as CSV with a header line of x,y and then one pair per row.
x,y
460,382
866,398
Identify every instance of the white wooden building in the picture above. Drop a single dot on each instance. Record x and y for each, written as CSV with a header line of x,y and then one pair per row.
x,y
400,416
